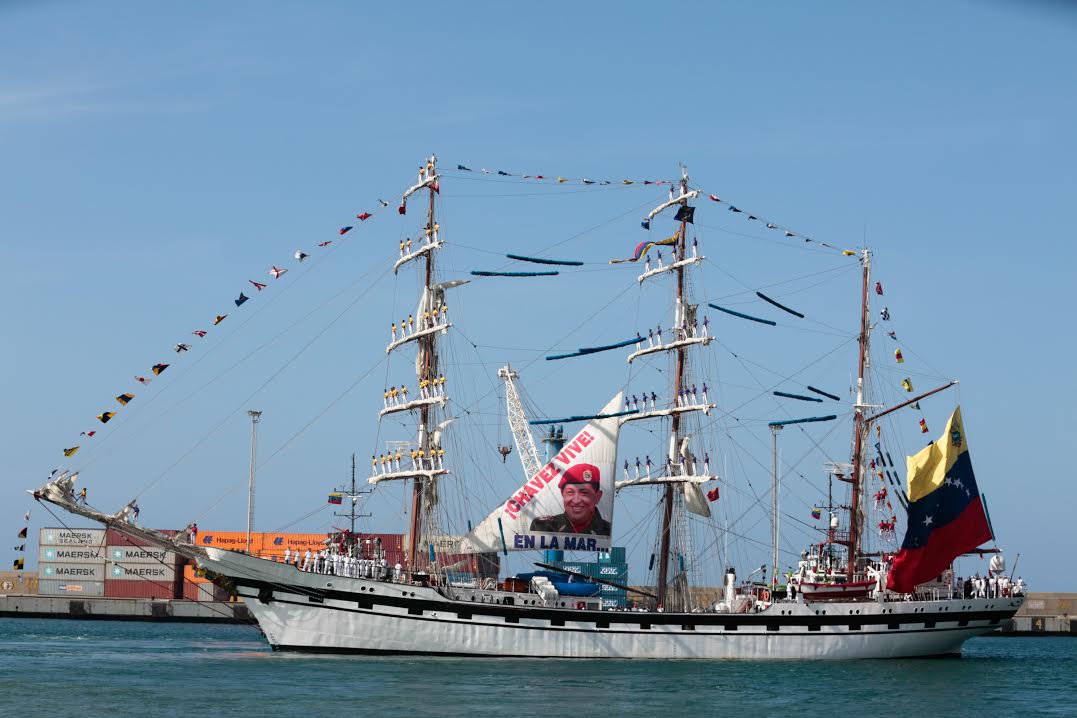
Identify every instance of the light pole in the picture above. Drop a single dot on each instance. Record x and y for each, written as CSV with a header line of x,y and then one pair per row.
x,y
255,416
774,429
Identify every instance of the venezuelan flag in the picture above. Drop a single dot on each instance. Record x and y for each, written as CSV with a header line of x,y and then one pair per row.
x,y
946,515
335,498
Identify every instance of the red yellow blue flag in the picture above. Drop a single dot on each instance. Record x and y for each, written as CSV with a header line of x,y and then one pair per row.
x,y
946,514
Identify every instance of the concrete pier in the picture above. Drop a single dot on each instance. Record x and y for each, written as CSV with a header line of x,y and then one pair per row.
x,y
123,609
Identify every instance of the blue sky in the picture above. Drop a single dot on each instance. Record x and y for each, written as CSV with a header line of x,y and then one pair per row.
x,y
155,159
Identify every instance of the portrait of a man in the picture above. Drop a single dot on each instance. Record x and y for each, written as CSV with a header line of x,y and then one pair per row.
x,y
580,487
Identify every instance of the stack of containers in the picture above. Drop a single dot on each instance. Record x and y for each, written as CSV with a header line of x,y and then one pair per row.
x,y
137,569
274,545
71,562
610,566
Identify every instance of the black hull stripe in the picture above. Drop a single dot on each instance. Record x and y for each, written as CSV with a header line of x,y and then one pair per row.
x,y
625,631
618,617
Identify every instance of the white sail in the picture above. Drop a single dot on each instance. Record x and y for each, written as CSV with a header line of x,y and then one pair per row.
x,y
568,504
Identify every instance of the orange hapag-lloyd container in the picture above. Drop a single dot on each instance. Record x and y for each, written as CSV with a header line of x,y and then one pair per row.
x,y
273,545
230,540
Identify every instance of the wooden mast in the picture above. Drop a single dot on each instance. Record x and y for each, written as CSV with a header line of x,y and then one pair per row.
x,y
859,423
678,382
427,347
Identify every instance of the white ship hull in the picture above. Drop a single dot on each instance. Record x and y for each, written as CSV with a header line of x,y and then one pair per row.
x,y
312,612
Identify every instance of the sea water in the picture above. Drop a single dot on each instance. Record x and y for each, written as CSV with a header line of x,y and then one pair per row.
x,y
59,668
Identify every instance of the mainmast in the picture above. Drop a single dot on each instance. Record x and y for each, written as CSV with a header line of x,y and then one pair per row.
x,y
675,422
859,423
682,471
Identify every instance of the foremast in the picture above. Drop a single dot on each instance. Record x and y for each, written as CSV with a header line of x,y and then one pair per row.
x,y
430,321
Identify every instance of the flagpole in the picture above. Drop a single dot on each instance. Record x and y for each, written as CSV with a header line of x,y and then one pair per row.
x,y
774,429
255,416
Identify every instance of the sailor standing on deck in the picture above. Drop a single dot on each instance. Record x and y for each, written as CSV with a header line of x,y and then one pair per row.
x,y
306,560
288,555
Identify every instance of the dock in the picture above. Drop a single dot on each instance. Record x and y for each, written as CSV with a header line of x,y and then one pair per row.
x,y
124,609
1044,614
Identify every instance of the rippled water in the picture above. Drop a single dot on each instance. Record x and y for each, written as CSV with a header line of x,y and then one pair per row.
x,y
51,667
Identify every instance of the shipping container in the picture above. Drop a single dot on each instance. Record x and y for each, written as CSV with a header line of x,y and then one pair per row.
x,y
138,588
273,545
72,571
71,537
152,572
141,554
616,554
194,575
62,587
231,540
72,554
114,537
203,591
620,602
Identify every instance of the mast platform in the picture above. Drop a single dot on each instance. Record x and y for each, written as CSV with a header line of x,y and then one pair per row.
x,y
669,267
669,347
705,408
430,247
406,474
677,479
415,336
416,404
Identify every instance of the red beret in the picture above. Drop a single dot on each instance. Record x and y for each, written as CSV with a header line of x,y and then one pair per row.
x,y
581,474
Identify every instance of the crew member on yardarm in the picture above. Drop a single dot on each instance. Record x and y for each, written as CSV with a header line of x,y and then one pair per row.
x,y
580,493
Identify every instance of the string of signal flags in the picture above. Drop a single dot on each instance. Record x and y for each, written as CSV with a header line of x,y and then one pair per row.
x,y
275,272
20,560
685,213
246,294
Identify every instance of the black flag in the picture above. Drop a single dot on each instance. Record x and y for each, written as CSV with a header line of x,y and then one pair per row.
x,y
685,214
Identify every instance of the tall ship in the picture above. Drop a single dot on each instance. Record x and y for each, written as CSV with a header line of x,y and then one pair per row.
x,y
851,592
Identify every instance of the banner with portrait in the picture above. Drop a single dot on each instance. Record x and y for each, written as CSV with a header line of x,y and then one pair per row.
x,y
567,505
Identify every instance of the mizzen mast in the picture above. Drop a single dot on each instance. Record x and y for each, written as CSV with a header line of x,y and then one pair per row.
x,y
860,427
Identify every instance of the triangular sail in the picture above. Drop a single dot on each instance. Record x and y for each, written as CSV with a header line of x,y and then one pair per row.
x,y
568,504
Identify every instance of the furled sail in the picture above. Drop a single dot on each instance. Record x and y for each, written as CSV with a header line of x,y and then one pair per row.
x,y
567,505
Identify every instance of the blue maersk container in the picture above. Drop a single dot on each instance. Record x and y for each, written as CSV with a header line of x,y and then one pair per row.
x,y
610,566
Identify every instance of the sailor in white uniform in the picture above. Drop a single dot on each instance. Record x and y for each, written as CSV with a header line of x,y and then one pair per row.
x,y
288,555
306,560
